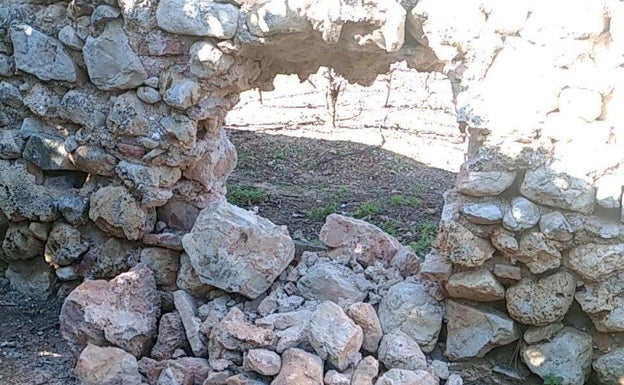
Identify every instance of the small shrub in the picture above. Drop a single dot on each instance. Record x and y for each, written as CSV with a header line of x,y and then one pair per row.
x,y
414,201
367,208
397,200
389,227
320,213
428,232
245,195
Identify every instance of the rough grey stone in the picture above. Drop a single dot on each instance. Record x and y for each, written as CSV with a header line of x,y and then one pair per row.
x,y
10,95
84,108
477,285
472,331
400,351
535,334
20,243
33,277
41,55
263,361
48,153
559,190
465,248
483,213
484,183
365,372
207,60
187,309
94,160
74,209
226,238
538,253
334,336
111,62
68,36
64,245
540,301
333,282
148,94
11,144
104,12
568,355
406,377
522,214
201,18
365,316
594,262
604,303
21,198
555,226
182,93
610,367
410,308
107,365
171,336
301,368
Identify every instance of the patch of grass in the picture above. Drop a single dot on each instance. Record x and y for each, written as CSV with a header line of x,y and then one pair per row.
x,y
397,200
389,227
320,213
428,232
414,201
246,195
367,208
551,379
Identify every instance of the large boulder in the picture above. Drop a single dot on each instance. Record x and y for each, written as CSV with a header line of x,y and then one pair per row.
x,y
123,312
410,308
568,355
334,336
351,237
107,366
236,250
474,331
539,301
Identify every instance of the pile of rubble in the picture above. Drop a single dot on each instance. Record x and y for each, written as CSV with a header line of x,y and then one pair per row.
x,y
240,306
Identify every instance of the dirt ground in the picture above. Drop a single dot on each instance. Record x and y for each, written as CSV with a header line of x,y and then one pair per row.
x,y
387,163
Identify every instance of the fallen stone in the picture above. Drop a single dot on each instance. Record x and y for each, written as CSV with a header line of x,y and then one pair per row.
x,y
201,18
365,372
41,55
484,183
556,227
180,371
334,336
114,210
400,351
164,263
406,377
64,245
263,361
226,238
473,331
610,367
535,334
20,243
233,333
559,190
333,282
170,337
406,261
48,153
355,238
538,253
477,285
483,213
568,355
187,309
409,307
100,313
540,301
107,365
365,316
594,262
522,214
301,368
111,62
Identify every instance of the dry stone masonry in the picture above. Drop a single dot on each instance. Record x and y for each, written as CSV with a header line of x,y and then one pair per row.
x,y
113,162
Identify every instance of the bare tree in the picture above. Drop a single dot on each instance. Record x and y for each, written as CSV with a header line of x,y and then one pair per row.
x,y
335,86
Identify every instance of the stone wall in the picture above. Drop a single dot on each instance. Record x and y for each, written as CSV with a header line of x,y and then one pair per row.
x,y
111,145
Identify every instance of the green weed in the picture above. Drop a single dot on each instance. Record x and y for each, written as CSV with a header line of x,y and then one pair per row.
x,y
551,379
428,232
320,213
245,195
397,200
367,208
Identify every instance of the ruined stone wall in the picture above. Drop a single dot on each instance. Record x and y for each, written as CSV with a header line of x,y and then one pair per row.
x,y
111,142
534,225
111,136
